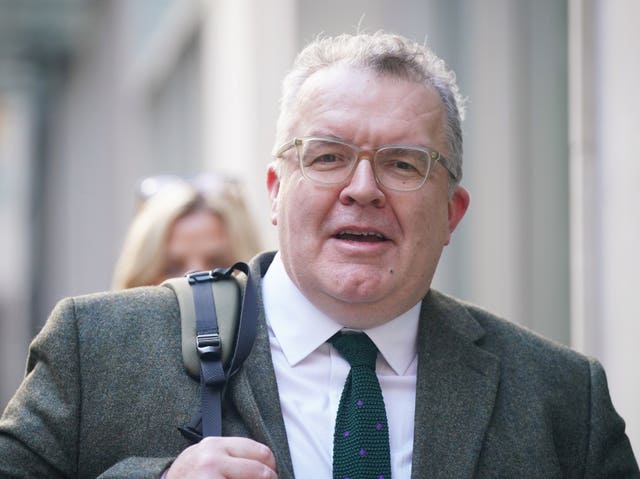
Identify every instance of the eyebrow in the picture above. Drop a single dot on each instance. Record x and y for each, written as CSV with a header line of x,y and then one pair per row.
x,y
328,136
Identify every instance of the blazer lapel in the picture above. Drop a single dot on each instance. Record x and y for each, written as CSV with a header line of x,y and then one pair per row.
x,y
254,391
456,390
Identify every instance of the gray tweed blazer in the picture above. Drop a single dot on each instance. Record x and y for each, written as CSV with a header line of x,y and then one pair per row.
x,y
105,393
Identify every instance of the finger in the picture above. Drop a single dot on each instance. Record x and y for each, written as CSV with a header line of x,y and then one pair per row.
x,y
224,457
241,447
242,468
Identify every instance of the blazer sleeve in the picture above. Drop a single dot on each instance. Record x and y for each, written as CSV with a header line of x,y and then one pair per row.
x,y
40,427
137,468
609,453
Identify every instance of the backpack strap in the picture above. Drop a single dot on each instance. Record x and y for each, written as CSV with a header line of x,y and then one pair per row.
x,y
217,332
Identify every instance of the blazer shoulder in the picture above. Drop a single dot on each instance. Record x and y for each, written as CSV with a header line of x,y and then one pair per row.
x,y
145,298
545,390
514,342
155,306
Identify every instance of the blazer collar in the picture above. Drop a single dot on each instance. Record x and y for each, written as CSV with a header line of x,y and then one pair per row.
x,y
456,390
455,395
254,390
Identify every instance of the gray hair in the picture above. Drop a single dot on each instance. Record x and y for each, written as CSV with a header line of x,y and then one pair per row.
x,y
383,53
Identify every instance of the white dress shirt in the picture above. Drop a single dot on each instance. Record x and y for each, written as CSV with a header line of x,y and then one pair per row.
x,y
311,373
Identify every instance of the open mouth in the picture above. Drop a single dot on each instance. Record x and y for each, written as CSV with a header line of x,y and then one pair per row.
x,y
361,236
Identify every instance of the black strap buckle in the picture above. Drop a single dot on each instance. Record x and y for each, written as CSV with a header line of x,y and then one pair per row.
x,y
204,276
209,344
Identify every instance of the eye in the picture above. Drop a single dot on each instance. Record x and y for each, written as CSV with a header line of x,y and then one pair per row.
x,y
326,155
402,162
327,158
326,161
403,165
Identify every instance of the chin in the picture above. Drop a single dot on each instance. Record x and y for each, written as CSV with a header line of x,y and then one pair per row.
x,y
358,292
361,315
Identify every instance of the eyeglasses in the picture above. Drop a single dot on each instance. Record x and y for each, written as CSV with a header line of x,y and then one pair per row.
x,y
331,162
211,183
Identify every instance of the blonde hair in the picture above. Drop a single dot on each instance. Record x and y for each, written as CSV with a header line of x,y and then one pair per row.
x,y
143,255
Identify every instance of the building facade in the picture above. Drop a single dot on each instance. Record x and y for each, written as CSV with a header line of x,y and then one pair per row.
x,y
95,96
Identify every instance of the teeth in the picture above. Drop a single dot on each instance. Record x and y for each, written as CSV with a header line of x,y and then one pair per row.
x,y
362,233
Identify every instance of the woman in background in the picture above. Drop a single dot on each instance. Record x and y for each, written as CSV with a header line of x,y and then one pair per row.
x,y
184,226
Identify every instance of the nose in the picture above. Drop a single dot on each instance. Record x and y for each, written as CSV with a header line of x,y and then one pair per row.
x,y
363,188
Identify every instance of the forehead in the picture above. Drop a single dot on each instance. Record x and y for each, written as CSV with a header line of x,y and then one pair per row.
x,y
366,107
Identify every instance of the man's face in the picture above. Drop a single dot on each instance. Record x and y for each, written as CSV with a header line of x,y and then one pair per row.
x,y
364,280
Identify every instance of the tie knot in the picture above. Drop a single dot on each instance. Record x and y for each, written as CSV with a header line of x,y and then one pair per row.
x,y
356,348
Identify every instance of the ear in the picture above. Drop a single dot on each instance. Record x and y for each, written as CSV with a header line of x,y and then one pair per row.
x,y
458,204
273,187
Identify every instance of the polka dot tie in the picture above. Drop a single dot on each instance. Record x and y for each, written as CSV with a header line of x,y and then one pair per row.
x,y
361,437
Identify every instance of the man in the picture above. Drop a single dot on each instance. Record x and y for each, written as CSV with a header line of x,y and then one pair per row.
x,y
365,195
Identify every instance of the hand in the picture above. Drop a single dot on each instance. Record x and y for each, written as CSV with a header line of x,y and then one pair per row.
x,y
224,458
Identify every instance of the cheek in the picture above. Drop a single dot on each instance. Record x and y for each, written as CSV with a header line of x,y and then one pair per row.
x,y
304,210
292,205
429,228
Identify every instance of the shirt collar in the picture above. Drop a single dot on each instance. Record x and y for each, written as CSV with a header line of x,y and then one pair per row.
x,y
292,317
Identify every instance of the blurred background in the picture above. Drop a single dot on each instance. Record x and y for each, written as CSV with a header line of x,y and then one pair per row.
x,y
97,94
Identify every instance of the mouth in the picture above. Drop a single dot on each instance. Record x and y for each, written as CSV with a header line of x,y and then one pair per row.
x,y
360,236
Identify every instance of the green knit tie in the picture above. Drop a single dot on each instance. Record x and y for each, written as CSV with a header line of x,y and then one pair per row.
x,y
361,437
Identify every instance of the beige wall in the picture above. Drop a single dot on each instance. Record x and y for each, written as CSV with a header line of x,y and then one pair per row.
x,y
605,226
547,243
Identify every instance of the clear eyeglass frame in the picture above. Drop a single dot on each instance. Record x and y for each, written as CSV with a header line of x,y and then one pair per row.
x,y
356,153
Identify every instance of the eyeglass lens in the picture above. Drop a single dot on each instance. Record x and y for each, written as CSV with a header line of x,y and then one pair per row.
x,y
330,162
